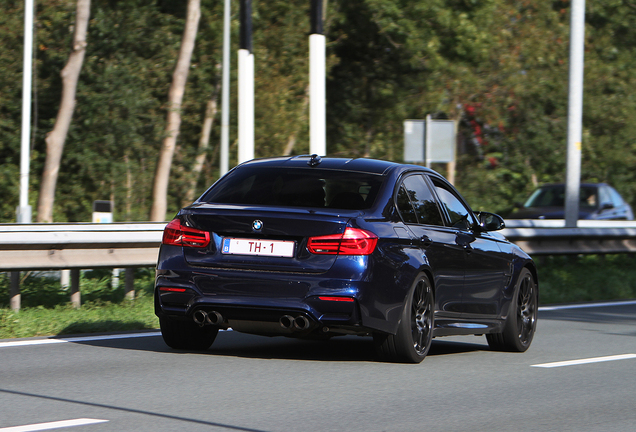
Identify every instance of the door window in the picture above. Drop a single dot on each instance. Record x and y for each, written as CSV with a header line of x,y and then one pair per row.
x,y
460,216
615,197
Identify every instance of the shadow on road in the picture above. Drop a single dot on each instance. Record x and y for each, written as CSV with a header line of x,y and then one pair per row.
x,y
234,344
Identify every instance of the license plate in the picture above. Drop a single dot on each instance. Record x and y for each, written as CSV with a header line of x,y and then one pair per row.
x,y
275,248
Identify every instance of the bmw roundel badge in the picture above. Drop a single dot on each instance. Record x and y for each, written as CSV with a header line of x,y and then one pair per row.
x,y
257,225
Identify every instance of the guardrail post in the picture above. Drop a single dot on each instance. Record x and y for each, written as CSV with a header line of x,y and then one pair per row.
x,y
114,280
129,283
14,291
65,278
76,298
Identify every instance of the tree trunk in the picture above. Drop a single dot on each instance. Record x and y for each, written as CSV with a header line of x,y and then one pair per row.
x,y
175,97
204,143
291,141
55,139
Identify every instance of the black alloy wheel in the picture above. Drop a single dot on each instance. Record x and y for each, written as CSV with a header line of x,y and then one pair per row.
x,y
521,323
413,339
422,318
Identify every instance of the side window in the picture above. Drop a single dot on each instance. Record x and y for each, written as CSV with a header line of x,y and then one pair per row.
x,y
616,198
460,216
604,197
423,201
404,206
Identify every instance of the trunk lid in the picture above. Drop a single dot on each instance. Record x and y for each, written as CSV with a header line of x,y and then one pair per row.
x,y
262,238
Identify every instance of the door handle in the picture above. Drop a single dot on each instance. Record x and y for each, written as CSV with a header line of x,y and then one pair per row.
x,y
425,241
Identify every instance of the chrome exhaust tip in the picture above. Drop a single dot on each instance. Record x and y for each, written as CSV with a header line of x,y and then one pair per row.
x,y
301,322
215,318
200,317
286,321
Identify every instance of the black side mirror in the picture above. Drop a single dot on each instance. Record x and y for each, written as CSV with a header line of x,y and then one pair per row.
x,y
490,221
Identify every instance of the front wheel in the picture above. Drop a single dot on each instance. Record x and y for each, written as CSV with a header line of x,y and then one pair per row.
x,y
187,335
413,339
521,323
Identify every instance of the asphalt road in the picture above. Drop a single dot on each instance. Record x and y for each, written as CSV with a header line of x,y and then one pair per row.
x,y
251,383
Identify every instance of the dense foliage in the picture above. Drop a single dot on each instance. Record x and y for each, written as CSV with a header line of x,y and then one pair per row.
x,y
500,67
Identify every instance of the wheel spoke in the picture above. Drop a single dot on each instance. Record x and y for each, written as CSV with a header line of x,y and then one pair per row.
x,y
526,310
421,319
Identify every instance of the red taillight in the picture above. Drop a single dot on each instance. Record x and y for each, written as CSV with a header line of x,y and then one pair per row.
x,y
177,290
177,234
353,241
337,299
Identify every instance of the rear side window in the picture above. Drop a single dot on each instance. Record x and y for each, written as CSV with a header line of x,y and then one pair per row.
x,y
295,187
405,207
422,203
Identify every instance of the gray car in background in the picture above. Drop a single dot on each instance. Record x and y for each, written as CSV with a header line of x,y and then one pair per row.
x,y
596,201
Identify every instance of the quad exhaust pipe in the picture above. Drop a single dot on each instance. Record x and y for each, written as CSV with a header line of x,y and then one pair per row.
x,y
203,318
301,322
288,322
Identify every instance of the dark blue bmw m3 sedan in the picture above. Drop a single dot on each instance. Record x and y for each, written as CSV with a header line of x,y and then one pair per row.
x,y
317,247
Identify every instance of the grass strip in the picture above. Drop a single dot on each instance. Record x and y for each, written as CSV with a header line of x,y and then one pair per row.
x,y
95,317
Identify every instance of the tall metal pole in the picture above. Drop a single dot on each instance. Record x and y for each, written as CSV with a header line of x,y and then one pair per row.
x,y
317,82
225,93
246,86
575,112
23,212
24,209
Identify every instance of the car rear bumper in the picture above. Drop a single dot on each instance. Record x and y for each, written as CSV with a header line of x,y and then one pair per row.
x,y
275,305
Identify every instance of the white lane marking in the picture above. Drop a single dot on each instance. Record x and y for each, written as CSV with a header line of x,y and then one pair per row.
x,y
75,339
587,305
586,361
52,425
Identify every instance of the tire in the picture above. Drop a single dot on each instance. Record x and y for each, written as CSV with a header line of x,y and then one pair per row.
x,y
413,339
187,335
521,323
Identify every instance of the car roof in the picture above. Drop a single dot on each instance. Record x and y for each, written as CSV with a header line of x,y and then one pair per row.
x,y
552,185
372,166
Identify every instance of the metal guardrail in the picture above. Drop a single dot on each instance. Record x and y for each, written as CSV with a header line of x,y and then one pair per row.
x,y
79,245
121,245
550,237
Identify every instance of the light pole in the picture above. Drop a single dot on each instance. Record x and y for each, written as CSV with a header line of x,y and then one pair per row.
x,y
24,209
245,85
225,93
575,113
317,82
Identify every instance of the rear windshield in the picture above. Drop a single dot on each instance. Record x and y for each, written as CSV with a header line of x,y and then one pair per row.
x,y
296,188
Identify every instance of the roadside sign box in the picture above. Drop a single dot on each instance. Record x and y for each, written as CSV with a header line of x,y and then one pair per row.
x,y
429,140
414,141
102,211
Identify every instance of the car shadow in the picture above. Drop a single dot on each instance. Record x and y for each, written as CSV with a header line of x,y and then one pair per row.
x,y
235,344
